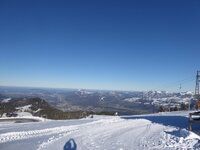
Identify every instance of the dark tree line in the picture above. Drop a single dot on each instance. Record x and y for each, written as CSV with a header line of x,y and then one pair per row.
x,y
183,106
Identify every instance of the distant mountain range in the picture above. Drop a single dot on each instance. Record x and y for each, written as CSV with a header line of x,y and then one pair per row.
x,y
124,102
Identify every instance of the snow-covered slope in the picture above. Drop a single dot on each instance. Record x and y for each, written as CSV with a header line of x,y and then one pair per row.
x,y
6,100
166,131
163,98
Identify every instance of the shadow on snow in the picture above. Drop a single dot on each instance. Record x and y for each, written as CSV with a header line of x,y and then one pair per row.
x,y
175,121
70,145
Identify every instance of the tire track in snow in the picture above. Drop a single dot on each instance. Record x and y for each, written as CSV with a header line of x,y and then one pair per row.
x,y
107,134
12,136
81,129
113,134
54,139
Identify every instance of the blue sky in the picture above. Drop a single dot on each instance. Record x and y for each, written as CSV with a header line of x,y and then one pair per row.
x,y
118,45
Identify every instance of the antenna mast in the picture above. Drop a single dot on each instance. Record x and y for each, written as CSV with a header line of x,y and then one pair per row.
x,y
197,96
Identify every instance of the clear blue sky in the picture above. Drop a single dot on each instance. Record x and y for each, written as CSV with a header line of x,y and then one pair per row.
x,y
100,44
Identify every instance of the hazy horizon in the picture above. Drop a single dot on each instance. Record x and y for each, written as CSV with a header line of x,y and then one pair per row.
x,y
68,88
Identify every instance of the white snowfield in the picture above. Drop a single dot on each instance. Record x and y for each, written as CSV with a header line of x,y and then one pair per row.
x,y
163,131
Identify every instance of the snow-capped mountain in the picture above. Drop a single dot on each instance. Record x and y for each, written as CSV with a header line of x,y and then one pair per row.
x,y
163,98
124,102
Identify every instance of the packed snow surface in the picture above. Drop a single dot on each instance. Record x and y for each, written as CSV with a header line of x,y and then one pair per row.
x,y
165,131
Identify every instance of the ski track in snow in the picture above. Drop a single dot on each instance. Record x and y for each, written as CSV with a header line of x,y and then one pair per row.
x,y
110,133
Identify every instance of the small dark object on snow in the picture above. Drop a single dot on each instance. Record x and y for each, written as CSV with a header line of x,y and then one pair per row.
x,y
11,114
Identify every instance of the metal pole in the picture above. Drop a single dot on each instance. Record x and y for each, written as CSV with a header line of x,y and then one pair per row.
x,y
189,105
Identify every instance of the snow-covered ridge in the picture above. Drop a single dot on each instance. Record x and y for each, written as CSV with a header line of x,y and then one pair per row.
x,y
162,98
6,100
24,108
84,92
